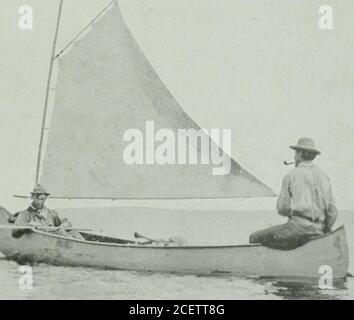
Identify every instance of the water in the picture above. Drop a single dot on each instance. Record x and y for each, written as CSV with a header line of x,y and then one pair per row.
x,y
195,226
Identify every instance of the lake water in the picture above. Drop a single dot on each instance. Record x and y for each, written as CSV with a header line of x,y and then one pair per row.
x,y
196,227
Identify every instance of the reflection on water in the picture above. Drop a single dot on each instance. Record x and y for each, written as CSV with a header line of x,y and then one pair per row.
x,y
54,282
294,290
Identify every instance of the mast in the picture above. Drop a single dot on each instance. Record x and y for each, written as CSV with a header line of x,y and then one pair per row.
x,y
46,102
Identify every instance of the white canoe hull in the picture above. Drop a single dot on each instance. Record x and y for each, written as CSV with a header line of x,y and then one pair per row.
x,y
244,260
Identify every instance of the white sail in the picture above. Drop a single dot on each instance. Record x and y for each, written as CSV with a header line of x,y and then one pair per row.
x,y
105,87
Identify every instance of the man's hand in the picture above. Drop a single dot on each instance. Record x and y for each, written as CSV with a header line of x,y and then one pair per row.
x,y
34,224
65,224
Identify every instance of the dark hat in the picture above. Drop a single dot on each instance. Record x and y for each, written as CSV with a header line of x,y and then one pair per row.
x,y
38,189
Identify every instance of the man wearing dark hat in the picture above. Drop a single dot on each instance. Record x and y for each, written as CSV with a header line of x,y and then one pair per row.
x,y
307,200
37,215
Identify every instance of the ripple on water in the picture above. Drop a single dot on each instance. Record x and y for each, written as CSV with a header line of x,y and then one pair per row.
x,y
52,282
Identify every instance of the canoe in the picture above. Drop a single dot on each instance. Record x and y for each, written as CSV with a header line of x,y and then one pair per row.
x,y
241,260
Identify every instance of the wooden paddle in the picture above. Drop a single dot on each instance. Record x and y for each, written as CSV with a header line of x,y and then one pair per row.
x,y
173,240
40,228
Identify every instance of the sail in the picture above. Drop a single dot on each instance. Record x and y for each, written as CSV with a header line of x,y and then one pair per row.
x,y
105,87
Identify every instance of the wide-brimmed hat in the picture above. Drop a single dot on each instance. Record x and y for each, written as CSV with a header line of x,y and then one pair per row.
x,y
38,189
306,144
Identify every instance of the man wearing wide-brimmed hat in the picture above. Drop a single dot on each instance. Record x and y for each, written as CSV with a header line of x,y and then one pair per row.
x,y
307,200
37,214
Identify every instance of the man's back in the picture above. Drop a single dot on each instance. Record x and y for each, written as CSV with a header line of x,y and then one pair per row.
x,y
307,191
307,200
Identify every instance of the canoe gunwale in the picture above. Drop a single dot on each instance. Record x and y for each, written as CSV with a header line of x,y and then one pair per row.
x,y
340,228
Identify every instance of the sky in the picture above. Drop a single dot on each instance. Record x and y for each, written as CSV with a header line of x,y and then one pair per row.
x,y
261,68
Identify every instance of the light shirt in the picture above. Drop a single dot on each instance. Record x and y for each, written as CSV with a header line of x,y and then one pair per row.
x,y
306,191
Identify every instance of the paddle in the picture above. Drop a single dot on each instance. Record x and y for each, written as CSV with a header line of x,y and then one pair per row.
x,y
179,241
40,228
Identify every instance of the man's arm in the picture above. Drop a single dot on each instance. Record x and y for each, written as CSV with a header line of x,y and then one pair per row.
x,y
283,202
58,222
23,219
331,212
